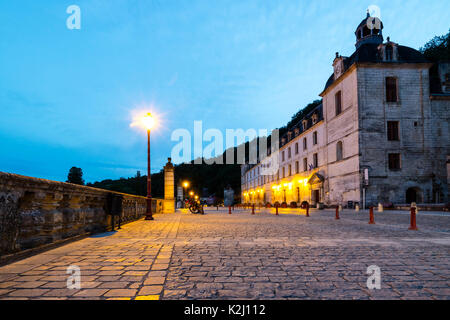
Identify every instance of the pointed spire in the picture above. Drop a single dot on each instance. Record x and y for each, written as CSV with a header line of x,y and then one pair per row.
x,y
368,13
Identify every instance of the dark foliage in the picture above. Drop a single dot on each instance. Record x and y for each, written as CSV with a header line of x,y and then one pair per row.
x,y
75,176
437,49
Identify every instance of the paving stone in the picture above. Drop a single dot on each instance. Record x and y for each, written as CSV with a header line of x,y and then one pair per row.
x,y
150,290
180,256
121,293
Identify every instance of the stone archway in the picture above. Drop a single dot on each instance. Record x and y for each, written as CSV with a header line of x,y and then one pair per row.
x,y
414,194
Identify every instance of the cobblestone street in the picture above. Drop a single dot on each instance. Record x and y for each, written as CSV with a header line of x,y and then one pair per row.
x,y
244,256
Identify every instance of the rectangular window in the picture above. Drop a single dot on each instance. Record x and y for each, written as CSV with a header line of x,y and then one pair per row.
x,y
391,89
290,170
393,131
305,164
305,144
283,173
315,137
338,102
394,161
282,156
289,152
297,169
296,148
315,160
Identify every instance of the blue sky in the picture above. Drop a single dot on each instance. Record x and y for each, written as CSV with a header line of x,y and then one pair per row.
x,y
66,96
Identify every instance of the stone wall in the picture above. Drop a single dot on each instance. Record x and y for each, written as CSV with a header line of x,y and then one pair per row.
x,y
35,212
424,135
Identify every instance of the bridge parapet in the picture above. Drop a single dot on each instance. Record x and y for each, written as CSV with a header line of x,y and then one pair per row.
x,y
35,212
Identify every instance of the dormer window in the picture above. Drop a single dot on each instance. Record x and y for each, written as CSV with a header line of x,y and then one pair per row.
x,y
296,131
389,53
289,134
314,118
305,124
338,65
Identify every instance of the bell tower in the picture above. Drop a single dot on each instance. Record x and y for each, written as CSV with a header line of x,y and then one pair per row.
x,y
370,30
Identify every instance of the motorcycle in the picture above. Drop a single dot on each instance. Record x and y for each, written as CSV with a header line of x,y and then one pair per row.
x,y
194,206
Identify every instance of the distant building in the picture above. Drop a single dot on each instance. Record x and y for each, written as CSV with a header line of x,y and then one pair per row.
x,y
380,135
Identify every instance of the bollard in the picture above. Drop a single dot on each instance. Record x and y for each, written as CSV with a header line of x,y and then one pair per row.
x,y
337,213
229,209
372,220
232,207
217,208
253,209
276,209
307,209
413,219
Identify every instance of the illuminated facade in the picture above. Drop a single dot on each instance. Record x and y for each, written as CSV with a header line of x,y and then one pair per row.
x,y
381,134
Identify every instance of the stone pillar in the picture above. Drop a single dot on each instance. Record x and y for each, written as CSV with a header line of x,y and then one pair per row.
x,y
169,188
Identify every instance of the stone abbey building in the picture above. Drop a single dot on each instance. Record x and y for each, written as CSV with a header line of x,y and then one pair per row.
x,y
381,133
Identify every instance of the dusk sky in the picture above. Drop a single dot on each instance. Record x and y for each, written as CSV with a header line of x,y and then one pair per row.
x,y
67,96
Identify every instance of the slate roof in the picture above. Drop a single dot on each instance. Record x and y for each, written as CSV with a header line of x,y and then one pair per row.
x,y
369,53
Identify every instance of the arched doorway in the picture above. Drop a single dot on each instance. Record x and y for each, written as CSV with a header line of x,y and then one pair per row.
x,y
414,195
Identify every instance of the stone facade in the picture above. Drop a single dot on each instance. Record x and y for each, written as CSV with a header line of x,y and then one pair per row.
x,y
35,212
383,134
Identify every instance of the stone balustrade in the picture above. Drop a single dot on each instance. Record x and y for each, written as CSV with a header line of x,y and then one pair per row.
x,y
35,212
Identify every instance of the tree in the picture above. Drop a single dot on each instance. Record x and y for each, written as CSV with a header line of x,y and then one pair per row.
x,y
75,176
437,49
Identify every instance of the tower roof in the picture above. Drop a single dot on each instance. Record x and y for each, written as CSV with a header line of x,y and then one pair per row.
x,y
369,31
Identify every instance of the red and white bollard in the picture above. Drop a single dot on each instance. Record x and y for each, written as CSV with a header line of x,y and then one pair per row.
x,y
229,209
413,225
276,209
307,209
372,220
337,213
253,209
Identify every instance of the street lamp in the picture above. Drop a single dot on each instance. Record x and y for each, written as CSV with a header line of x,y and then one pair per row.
x,y
185,185
148,122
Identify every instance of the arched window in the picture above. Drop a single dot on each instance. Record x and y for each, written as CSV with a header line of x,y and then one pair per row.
x,y
339,151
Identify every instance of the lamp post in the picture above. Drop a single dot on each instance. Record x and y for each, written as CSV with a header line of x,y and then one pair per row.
x,y
148,122
185,185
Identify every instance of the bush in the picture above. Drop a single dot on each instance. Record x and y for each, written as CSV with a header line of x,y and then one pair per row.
x,y
268,205
293,204
276,204
284,205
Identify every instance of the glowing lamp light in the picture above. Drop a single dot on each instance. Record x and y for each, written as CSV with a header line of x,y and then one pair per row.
x,y
148,121
186,184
